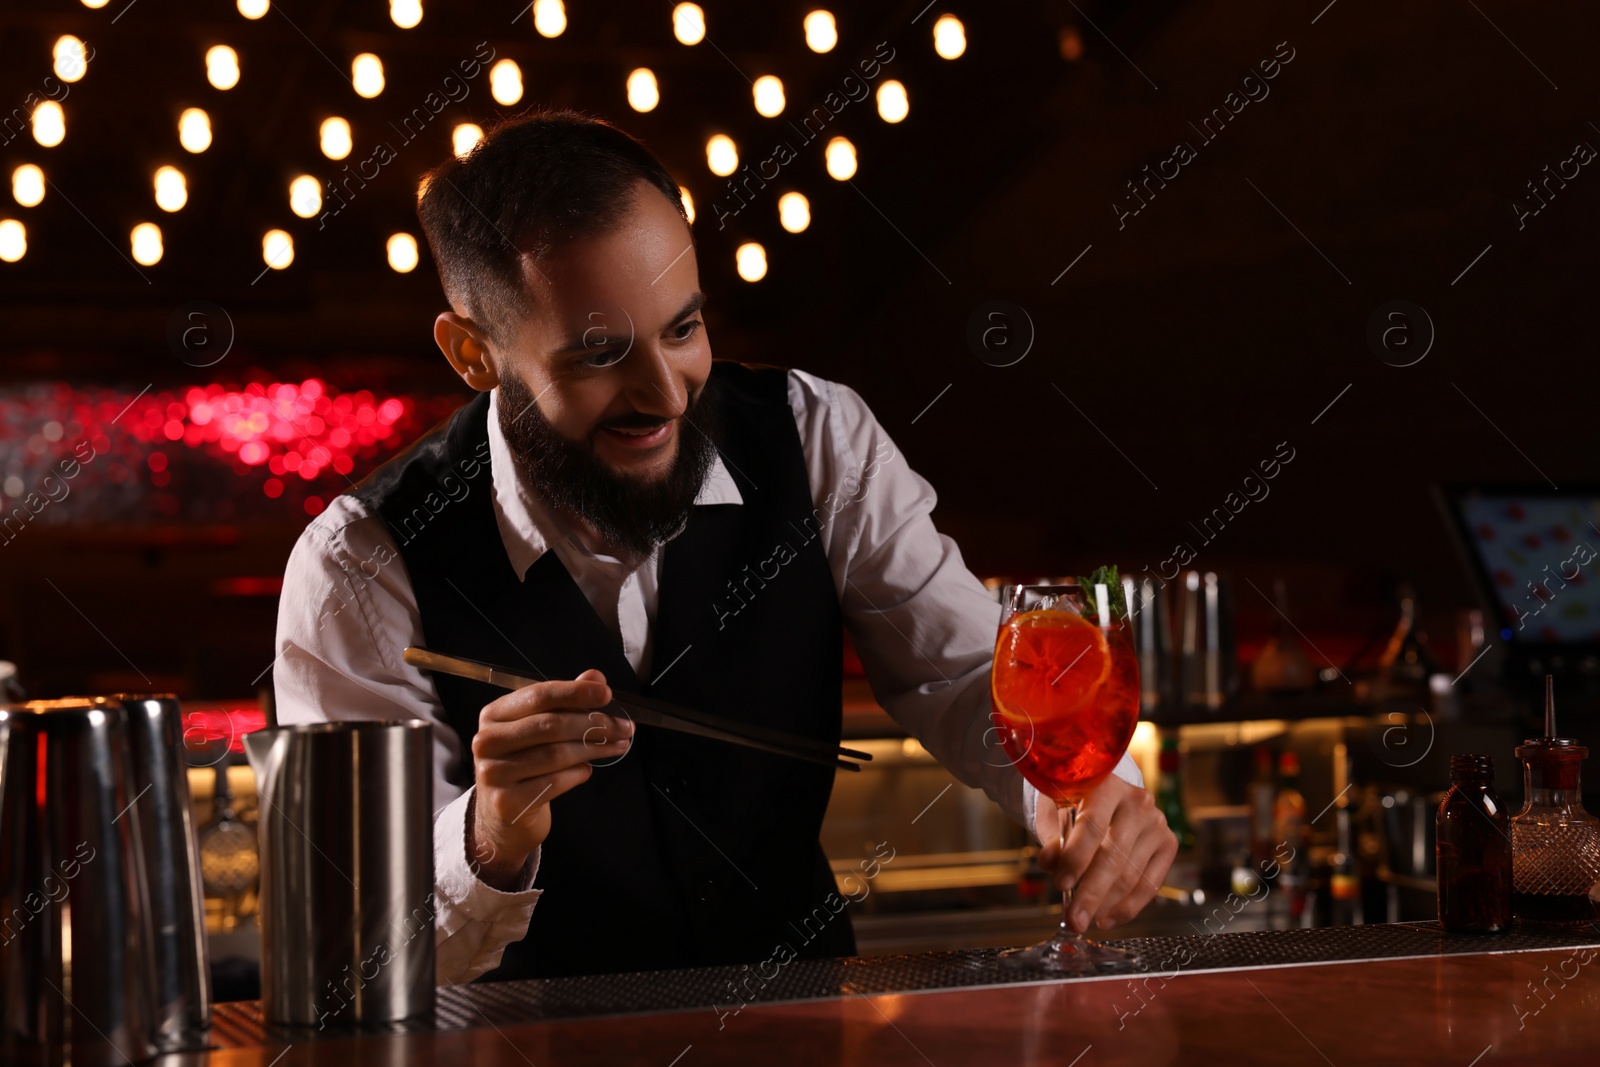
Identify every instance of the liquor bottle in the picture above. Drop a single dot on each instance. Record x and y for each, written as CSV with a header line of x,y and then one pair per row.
x,y
1344,878
1555,844
1300,886
1282,665
1474,851
1292,851
1344,871
1185,870
1406,662
1169,794
1289,811
1263,797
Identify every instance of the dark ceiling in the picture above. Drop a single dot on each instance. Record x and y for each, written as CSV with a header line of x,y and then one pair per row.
x,y
1185,343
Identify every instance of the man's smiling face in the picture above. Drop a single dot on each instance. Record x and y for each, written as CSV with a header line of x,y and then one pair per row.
x,y
600,383
615,349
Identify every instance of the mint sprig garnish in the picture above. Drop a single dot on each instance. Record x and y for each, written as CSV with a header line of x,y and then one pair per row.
x,y
1113,584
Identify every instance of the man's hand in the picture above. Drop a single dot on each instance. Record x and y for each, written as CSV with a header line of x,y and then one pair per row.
x,y
1117,853
532,745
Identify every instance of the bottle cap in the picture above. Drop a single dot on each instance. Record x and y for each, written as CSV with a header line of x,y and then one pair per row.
x,y
1470,764
1288,764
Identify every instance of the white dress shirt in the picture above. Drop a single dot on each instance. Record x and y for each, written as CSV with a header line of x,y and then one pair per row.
x,y
923,625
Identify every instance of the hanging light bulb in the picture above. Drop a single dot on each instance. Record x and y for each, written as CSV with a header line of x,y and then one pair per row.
x,y
95,5
752,261
146,241
689,23
172,190
841,159
70,57
821,31
27,185
402,249
505,82
405,13
549,17
194,130
722,155
464,137
305,196
794,211
335,137
366,73
222,66
643,93
277,249
13,240
253,9
688,204
949,37
49,124
768,91
893,104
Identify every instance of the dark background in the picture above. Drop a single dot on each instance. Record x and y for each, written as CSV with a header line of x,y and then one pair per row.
x,y
1218,322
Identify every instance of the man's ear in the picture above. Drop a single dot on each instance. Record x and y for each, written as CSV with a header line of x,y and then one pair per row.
x,y
467,348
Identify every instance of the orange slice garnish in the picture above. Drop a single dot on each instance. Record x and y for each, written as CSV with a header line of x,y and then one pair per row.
x,y
1048,665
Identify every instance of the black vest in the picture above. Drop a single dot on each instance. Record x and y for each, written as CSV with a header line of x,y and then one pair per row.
x,y
687,852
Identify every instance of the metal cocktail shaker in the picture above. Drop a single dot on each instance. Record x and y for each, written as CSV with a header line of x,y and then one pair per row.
x,y
76,969
1152,632
347,909
1210,674
172,870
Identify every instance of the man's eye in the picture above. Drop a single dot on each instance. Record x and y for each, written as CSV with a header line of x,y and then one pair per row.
x,y
687,329
605,357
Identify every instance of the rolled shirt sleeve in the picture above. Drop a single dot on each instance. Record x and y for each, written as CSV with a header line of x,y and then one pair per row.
x,y
345,615
922,623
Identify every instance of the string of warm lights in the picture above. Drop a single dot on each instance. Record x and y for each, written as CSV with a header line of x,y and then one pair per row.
x,y
70,61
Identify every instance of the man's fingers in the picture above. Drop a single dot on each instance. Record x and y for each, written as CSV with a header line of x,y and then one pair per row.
x,y
509,771
1154,870
1110,869
504,739
588,690
1127,869
1086,838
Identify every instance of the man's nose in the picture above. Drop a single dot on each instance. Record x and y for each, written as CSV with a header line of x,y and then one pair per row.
x,y
654,384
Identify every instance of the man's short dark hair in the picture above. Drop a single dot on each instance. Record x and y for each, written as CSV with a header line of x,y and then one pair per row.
x,y
532,184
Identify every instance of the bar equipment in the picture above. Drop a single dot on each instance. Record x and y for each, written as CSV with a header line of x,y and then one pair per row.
x,y
172,870
1282,665
1474,851
1555,844
1210,666
77,970
346,829
1152,639
230,858
653,712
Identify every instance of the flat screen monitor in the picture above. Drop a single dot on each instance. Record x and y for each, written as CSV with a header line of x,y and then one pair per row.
x,y
1535,554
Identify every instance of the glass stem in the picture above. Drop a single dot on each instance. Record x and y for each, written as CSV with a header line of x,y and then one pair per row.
x,y
1067,817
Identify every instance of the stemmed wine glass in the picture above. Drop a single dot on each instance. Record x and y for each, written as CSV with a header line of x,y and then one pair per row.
x,y
1065,687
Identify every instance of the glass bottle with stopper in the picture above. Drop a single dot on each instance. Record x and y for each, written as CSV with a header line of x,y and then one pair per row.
x,y
1555,844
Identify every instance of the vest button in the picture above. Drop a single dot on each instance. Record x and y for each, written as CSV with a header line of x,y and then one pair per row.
x,y
707,891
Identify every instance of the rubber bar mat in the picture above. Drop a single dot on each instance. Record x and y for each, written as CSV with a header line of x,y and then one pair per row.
x,y
240,1023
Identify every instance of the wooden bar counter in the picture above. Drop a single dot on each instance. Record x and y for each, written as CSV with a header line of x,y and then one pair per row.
x,y
1436,1001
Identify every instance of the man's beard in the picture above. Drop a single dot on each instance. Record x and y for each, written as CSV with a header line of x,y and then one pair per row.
x,y
625,511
